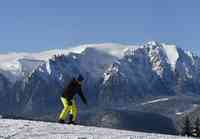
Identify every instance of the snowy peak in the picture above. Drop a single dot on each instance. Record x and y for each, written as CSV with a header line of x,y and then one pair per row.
x,y
159,54
112,49
160,51
154,65
170,51
11,59
152,44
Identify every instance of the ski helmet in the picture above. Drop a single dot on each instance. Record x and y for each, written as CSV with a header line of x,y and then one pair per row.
x,y
80,77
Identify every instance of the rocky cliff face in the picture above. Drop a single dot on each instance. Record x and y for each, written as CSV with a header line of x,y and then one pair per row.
x,y
151,70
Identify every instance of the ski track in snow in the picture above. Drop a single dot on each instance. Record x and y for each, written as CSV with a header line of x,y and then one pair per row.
x,y
22,129
155,101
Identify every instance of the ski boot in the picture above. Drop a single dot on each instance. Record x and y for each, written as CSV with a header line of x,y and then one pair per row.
x,y
61,121
71,122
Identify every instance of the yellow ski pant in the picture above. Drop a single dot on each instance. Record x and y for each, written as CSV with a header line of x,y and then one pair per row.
x,y
68,108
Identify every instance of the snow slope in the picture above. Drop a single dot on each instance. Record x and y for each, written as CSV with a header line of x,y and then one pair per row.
x,y
21,129
172,54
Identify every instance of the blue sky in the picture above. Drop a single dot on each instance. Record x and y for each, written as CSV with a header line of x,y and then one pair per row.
x,y
35,25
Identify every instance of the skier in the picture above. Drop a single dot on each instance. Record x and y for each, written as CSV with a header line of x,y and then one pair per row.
x,y
67,98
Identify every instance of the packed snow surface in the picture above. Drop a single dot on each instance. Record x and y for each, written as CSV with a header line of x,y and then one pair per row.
x,y
21,129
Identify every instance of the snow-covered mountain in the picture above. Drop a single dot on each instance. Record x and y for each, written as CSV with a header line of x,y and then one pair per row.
x,y
112,71
151,70
14,63
116,76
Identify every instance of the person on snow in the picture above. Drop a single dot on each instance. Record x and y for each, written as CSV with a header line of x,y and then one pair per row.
x,y
67,98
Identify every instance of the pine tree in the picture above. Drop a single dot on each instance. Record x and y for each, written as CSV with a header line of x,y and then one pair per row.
x,y
187,129
197,128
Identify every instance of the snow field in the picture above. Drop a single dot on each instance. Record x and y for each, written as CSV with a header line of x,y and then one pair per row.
x,y
22,129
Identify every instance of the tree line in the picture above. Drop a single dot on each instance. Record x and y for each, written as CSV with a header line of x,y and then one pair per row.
x,y
189,129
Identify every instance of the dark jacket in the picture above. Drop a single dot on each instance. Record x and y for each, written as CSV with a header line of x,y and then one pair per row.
x,y
72,89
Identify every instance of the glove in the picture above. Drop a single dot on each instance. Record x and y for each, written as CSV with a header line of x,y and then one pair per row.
x,y
86,103
69,102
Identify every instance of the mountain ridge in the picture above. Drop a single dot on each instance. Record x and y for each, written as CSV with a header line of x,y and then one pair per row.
x,y
141,74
